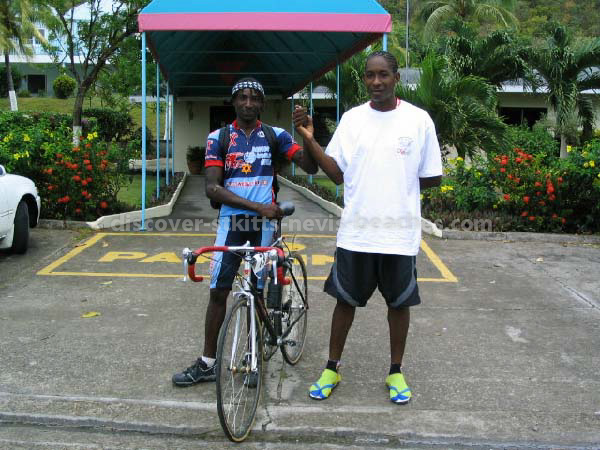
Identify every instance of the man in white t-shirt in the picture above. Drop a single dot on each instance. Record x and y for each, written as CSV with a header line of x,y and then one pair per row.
x,y
385,152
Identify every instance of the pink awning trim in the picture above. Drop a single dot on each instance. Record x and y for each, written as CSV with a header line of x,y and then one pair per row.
x,y
357,23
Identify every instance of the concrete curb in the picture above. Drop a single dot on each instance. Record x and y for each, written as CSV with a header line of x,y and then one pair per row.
x,y
117,220
431,229
328,206
515,236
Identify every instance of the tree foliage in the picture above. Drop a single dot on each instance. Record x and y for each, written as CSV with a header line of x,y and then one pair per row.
x,y
498,57
17,25
436,13
92,41
122,76
582,17
566,67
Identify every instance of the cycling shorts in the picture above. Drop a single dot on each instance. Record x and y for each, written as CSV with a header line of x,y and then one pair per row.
x,y
233,231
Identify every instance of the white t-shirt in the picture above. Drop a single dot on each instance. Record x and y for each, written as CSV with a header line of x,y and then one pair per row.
x,y
382,156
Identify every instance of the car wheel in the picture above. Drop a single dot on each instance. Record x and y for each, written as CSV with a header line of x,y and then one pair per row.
x,y
21,234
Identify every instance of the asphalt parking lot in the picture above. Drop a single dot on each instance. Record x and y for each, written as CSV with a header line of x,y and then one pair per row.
x,y
503,352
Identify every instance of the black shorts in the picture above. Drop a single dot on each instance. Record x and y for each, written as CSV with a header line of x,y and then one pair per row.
x,y
234,231
354,276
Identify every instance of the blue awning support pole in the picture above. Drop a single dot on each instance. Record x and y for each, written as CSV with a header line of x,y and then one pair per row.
x,y
385,38
173,138
168,133
337,98
143,227
157,131
293,134
312,114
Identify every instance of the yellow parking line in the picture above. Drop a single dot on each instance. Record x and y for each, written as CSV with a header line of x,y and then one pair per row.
x,y
447,276
437,262
76,251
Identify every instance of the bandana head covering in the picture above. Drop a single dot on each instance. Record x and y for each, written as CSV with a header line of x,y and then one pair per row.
x,y
247,83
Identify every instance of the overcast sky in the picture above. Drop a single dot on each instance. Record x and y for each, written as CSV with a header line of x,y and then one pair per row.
x,y
83,11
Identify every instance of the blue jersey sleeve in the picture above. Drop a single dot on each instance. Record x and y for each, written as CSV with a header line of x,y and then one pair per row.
x,y
213,151
287,144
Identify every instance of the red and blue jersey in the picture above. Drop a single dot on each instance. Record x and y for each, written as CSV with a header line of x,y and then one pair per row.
x,y
248,166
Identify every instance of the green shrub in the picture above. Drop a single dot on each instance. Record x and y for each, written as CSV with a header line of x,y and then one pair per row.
x,y
112,125
17,120
73,181
522,191
464,187
24,94
16,76
63,86
82,182
537,141
581,173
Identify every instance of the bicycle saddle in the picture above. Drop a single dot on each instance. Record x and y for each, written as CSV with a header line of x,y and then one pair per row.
x,y
288,208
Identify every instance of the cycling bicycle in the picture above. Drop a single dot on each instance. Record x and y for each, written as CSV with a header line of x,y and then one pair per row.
x,y
252,331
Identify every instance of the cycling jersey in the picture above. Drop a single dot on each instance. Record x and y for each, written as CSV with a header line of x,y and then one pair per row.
x,y
248,166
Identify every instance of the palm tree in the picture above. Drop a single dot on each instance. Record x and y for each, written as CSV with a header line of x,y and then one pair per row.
x,y
16,27
463,108
437,12
497,57
567,68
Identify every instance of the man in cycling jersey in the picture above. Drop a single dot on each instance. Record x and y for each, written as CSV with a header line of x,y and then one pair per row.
x,y
385,152
240,178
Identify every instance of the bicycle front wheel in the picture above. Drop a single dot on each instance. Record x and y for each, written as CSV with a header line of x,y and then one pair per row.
x,y
238,384
295,309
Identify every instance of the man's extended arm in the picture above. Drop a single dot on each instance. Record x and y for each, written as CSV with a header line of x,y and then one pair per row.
x,y
216,192
306,162
304,127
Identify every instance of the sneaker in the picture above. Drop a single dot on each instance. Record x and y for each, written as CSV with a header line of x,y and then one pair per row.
x,y
399,390
197,373
323,388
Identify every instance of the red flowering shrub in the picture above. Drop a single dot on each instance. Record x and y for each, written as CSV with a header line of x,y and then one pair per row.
x,y
81,182
523,190
530,190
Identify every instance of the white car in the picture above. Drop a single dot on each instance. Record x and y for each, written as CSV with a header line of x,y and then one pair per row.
x,y
19,210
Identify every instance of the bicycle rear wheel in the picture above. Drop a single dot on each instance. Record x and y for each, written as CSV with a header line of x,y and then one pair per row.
x,y
295,309
238,388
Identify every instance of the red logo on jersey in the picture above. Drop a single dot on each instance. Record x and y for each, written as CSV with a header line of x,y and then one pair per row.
x,y
209,144
232,138
232,161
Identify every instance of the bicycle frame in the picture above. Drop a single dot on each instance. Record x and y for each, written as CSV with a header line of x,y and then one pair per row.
x,y
276,255
246,289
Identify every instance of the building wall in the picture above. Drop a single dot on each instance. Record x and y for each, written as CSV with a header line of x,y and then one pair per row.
x,y
48,70
521,100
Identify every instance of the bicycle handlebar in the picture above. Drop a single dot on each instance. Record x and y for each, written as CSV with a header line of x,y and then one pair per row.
x,y
192,256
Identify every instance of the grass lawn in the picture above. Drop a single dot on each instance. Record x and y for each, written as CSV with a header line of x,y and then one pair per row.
x,y
131,193
50,104
326,182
